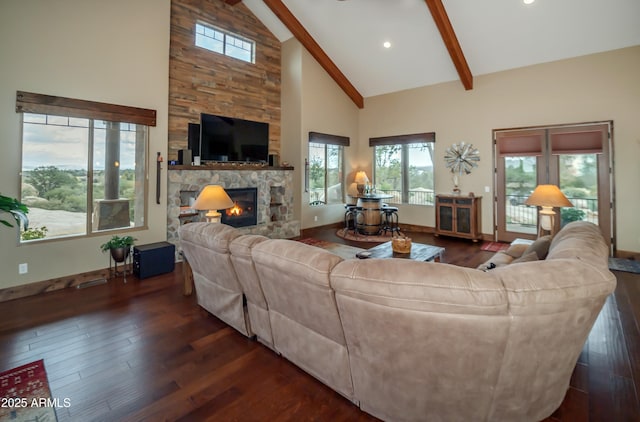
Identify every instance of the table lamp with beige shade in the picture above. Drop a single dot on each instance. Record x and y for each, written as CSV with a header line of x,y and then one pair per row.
x,y
361,181
547,197
213,198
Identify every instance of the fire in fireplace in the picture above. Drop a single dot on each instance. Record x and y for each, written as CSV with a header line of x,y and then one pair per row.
x,y
244,211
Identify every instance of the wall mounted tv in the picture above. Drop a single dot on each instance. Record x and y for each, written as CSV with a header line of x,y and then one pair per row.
x,y
230,139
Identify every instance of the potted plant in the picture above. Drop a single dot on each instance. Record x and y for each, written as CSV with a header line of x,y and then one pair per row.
x,y
17,209
119,246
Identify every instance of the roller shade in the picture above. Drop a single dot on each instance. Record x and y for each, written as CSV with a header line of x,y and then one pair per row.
x,y
519,144
587,140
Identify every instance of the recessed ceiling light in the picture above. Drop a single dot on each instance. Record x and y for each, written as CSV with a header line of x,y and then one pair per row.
x,y
528,1
386,44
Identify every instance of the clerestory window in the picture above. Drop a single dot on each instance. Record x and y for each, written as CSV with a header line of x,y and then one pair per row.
x,y
84,166
223,42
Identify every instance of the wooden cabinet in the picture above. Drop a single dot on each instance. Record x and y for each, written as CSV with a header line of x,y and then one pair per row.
x,y
459,216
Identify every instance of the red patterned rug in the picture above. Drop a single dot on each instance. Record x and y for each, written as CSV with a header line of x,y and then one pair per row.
x,y
25,394
343,251
494,246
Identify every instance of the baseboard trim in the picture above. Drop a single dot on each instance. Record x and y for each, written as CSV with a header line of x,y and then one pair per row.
x,y
72,281
627,255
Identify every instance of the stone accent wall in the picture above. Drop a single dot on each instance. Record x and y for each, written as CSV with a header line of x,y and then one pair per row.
x,y
201,81
275,198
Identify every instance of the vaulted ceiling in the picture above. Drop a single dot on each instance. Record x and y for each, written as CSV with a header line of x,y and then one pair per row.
x,y
435,41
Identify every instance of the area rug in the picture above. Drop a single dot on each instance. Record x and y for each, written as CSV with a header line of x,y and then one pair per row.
x,y
25,394
343,251
626,265
494,246
349,235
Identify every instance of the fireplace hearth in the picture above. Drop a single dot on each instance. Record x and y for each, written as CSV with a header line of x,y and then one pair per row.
x,y
244,211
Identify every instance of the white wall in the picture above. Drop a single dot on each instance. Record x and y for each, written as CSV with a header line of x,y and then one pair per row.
x,y
597,87
291,112
113,51
323,107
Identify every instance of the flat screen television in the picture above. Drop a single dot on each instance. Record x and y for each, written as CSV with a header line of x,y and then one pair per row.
x,y
230,139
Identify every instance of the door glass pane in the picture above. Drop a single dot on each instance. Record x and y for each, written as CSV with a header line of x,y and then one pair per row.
x,y
579,183
520,181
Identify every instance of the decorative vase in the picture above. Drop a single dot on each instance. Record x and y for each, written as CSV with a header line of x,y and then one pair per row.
x,y
120,254
455,179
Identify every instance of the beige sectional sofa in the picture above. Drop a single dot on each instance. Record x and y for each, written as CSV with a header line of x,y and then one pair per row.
x,y
415,341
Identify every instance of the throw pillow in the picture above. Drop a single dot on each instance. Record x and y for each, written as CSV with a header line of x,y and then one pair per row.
x,y
540,247
517,250
528,257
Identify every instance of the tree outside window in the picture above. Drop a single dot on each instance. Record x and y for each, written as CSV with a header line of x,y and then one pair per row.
x,y
82,175
325,172
403,167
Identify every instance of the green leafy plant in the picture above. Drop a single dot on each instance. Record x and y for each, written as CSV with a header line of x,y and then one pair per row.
x,y
17,209
34,233
571,214
117,242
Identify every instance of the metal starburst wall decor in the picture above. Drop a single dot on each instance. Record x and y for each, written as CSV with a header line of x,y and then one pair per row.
x,y
461,158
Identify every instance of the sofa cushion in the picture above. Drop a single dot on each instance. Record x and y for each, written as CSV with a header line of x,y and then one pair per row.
x,y
540,247
528,257
581,240
209,235
420,286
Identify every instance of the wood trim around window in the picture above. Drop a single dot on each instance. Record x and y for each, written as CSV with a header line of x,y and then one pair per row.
x,y
324,138
403,139
28,102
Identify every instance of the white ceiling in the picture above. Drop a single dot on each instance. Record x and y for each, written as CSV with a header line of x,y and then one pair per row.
x,y
495,35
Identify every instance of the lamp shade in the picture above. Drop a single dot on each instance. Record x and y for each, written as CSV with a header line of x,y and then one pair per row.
x,y
352,190
548,196
361,178
213,197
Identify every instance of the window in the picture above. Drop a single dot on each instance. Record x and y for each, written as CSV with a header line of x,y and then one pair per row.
x,y
325,168
222,42
82,174
403,167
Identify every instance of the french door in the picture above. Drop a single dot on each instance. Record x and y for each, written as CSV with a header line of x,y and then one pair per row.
x,y
576,158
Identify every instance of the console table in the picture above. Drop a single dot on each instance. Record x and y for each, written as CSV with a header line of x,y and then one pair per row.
x,y
459,216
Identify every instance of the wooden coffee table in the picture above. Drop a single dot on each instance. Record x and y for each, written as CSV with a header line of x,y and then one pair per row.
x,y
419,252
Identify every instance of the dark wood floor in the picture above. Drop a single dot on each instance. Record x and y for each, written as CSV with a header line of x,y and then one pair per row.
x,y
141,351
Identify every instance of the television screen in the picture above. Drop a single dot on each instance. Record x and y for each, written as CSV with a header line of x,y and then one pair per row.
x,y
231,139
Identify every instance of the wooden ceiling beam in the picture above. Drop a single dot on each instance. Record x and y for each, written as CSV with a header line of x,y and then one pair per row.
x,y
451,41
232,2
301,34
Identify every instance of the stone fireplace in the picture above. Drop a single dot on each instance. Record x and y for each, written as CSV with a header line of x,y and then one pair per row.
x,y
245,207
274,197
